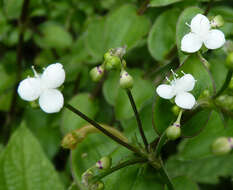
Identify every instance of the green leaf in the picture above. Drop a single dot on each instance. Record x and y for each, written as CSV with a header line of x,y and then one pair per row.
x,y
53,36
195,160
115,30
183,182
13,8
162,36
182,28
23,165
85,104
159,3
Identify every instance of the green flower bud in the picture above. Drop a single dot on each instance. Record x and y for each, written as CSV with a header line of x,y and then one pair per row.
x,y
99,185
173,132
113,63
229,61
34,104
97,73
221,146
217,21
126,80
104,163
107,56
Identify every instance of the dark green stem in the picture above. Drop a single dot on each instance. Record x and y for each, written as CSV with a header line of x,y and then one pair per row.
x,y
162,141
96,125
138,119
118,167
226,83
143,7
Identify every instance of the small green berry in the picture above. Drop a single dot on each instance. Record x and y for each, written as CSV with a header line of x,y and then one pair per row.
x,y
173,132
221,146
97,73
104,163
107,56
126,80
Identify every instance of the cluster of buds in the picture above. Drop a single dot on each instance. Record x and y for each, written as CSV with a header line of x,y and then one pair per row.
x,y
222,145
173,132
113,60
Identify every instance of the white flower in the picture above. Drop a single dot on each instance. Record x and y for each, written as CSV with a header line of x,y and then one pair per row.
x,y
44,87
179,87
201,33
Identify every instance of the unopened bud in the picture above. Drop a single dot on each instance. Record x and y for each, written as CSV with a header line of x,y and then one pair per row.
x,y
229,61
113,63
69,141
104,163
97,73
222,146
175,110
107,56
126,80
34,104
99,185
217,21
173,132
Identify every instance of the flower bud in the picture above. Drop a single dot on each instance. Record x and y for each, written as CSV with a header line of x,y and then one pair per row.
x,y
99,185
217,21
173,132
113,63
175,110
97,73
229,61
104,163
126,80
69,141
221,146
107,56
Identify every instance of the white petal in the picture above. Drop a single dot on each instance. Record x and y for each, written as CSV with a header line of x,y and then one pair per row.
x,y
200,25
29,89
53,76
185,100
191,43
215,39
165,91
185,83
51,101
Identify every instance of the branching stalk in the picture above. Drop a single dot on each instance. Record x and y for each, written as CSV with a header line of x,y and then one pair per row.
x,y
96,125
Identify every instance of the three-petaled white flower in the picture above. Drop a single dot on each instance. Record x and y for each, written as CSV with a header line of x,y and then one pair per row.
x,y
43,86
179,87
201,32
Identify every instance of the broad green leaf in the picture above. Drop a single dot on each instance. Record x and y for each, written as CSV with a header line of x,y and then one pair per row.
x,y
53,36
194,66
45,129
162,36
182,28
85,104
183,182
195,160
13,8
115,30
159,3
23,165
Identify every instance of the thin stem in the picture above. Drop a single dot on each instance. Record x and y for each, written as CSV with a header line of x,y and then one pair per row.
x,y
138,119
143,7
118,167
208,7
162,141
166,177
96,125
206,66
179,116
226,83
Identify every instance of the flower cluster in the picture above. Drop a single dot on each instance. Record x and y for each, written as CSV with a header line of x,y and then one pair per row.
x,y
201,32
44,86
